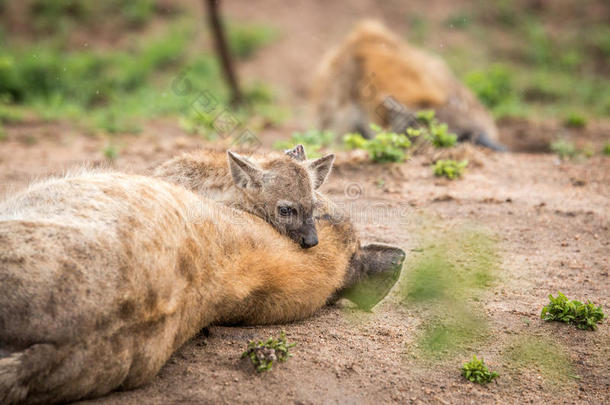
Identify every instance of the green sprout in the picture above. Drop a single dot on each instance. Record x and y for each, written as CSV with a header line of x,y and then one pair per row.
x,y
111,152
583,316
575,120
384,147
606,149
264,354
477,372
450,169
433,130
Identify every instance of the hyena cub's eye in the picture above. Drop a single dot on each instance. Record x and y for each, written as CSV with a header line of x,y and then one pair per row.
x,y
285,210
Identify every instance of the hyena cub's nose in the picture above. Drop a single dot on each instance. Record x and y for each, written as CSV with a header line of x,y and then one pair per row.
x,y
310,239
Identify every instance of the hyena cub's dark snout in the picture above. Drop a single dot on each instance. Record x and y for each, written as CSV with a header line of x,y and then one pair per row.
x,y
308,236
304,233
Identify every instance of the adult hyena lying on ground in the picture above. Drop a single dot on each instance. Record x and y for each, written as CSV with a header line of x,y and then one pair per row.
x,y
104,275
282,190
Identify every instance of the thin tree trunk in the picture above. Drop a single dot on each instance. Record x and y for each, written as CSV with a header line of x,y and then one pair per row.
x,y
223,51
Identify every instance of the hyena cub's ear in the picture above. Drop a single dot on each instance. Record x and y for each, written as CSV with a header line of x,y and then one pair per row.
x,y
297,153
245,174
320,168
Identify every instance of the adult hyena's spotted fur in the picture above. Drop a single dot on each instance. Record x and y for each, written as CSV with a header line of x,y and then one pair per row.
x,y
104,275
374,76
207,173
277,188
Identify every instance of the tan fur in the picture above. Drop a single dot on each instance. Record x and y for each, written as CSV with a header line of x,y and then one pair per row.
x,y
277,180
205,173
104,275
285,181
355,79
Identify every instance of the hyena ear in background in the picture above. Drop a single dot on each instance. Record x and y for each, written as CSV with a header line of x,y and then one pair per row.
x,y
320,168
297,153
245,174
373,271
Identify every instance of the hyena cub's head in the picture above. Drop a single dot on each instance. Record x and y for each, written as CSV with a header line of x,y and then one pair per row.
x,y
282,191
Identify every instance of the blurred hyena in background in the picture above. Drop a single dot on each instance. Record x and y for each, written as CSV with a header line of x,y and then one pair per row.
x,y
375,77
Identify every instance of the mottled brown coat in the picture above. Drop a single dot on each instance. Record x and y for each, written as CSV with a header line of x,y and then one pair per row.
x,y
374,76
104,275
267,186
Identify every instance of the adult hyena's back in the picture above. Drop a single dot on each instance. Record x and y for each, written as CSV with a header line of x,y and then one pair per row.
x,y
53,317
90,287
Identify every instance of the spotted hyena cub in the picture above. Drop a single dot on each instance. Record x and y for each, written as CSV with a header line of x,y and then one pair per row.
x,y
277,188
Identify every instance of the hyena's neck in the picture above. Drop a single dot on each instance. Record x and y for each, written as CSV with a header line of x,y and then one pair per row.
x,y
205,173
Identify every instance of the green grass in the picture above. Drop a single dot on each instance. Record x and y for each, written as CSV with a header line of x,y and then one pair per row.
x,y
451,169
59,16
477,372
521,66
582,315
535,354
606,149
116,91
264,354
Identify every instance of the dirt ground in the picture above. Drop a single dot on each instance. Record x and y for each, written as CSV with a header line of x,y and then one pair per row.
x,y
551,219
552,222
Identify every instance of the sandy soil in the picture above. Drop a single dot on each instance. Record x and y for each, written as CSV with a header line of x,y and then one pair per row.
x,y
551,219
552,223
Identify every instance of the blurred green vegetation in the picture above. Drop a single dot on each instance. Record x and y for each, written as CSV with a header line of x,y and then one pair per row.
x,y
245,38
116,89
531,59
540,355
449,168
446,281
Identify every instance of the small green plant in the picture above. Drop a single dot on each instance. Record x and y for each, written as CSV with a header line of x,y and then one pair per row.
x,y
2,133
433,130
383,147
451,169
575,120
564,148
264,354
606,149
583,316
477,372
313,140
111,152
493,87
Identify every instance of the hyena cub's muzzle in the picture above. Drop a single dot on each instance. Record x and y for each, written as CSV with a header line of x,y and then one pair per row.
x,y
306,235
